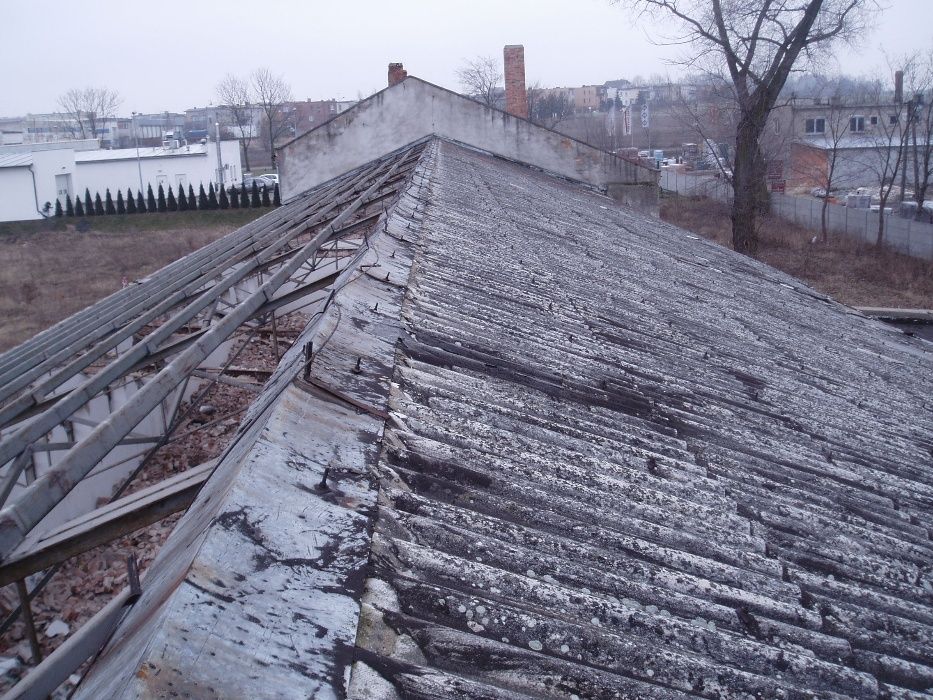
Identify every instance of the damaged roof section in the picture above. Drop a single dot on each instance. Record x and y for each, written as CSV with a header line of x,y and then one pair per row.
x,y
624,462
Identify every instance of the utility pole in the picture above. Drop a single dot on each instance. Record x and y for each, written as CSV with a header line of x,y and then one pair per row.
x,y
903,146
220,166
139,166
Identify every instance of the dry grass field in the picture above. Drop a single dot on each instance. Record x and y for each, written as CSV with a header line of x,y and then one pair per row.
x,y
49,269
851,272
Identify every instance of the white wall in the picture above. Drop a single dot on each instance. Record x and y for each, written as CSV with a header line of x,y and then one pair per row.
x,y
18,195
193,169
17,201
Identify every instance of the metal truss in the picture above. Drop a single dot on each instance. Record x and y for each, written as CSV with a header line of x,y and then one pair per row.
x,y
101,390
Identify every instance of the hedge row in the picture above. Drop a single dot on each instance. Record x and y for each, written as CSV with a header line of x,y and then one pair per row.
x,y
242,198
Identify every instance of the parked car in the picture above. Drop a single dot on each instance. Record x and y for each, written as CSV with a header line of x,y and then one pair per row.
x,y
270,178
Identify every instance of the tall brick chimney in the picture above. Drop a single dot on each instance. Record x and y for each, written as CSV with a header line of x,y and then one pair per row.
x,y
396,74
516,97
898,87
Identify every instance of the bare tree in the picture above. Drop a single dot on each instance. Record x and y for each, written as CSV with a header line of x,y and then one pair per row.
x,y
837,126
236,94
883,154
835,170
272,93
920,128
550,108
480,78
759,42
88,108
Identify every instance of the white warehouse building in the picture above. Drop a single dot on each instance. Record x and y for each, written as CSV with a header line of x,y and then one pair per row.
x,y
31,176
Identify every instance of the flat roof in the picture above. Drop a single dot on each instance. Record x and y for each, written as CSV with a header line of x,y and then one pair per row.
x,y
148,152
15,160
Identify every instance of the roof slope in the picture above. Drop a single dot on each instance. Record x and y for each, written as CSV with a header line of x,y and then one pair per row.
x,y
625,462
550,448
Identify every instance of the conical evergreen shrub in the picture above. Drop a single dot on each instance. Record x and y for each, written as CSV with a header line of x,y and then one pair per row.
x,y
244,198
192,201
234,198
130,202
202,198
108,204
182,199
276,199
59,212
88,203
160,202
140,202
224,202
121,205
170,200
211,197
79,207
266,202
255,200
69,207
98,205
150,200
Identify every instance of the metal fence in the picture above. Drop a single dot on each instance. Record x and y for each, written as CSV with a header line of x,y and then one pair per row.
x,y
914,238
696,185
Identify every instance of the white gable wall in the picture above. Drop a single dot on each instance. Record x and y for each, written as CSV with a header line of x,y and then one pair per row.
x,y
414,109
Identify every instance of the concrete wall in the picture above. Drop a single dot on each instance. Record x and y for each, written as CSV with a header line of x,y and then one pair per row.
x,y
414,109
18,192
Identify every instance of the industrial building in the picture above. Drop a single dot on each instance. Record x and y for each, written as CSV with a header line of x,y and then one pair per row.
x,y
33,176
531,443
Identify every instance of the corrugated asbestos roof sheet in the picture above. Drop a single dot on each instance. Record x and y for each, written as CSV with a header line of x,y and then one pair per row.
x,y
626,463
619,462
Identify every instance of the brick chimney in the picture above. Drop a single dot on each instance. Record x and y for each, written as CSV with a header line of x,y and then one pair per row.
x,y
396,74
516,97
898,87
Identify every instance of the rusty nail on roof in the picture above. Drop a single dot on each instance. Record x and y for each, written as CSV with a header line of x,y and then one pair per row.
x,y
357,369
322,485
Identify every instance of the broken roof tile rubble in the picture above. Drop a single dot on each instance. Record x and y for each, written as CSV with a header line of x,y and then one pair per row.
x,y
547,447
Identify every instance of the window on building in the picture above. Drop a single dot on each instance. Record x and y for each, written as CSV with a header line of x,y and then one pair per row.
x,y
856,124
892,120
874,121
816,126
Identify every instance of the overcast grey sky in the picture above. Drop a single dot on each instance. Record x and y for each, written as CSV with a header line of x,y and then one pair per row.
x,y
340,49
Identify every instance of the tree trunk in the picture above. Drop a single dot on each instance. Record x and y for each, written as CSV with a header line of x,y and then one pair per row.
x,y
883,200
748,186
823,229
245,155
